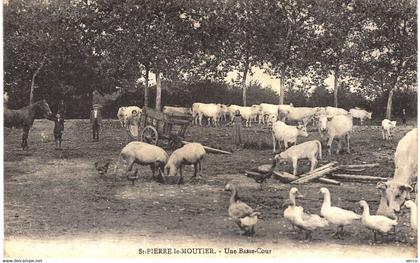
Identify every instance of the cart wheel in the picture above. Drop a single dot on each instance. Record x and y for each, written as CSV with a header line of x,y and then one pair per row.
x,y
149,135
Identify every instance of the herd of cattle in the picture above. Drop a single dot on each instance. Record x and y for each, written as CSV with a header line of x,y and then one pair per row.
x,y
263,113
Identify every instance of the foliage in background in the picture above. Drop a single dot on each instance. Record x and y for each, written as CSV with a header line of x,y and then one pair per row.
x,y
81,46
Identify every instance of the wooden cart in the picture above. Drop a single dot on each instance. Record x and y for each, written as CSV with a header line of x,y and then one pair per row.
x,y
153,126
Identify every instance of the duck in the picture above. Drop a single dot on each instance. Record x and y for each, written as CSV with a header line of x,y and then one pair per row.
x,y
336,215
377,223
299,218
413,214
245,217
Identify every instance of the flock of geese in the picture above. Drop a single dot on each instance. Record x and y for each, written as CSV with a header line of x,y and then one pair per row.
x,y
246,217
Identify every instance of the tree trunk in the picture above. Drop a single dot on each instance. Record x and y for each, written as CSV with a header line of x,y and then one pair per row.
x,y
282,85
336,86
31,95
158,91
90,102
389,104
146,88
243,84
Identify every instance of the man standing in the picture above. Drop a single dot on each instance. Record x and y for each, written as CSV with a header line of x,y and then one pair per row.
x,y
96,120
404,120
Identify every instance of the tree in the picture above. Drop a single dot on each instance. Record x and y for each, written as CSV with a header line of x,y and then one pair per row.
x,y
286,39
44,48
389,60
337,30
230,35
154,35
26,41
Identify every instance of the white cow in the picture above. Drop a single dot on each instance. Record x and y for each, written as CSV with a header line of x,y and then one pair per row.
x,y
303,114
257,113
268,110
282,111
179,110
286,133
125,113
208,110
395,191
387,127
331,111
248,114
338,127
307,150
360,114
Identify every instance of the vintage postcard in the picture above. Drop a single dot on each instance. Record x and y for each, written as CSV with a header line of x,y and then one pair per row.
x,y
210,129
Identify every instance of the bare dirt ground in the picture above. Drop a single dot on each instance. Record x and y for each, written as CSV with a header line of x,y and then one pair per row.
x,y
56,197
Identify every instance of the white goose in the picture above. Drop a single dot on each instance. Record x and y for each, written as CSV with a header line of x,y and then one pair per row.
x,y
289,213
376,223
299,218
336,215
413,214
245,217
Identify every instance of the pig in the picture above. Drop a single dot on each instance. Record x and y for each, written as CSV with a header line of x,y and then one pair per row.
x,y
144,154
191,153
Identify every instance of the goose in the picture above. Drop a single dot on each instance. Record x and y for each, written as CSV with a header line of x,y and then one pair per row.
x,y
376,223
289,212
413,213
245,217
336,215
302,220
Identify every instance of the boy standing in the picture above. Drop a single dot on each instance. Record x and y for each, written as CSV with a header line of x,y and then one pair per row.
x,y
58,130
96,119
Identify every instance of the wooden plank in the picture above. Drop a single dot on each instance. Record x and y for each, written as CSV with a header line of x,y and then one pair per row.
x,y
284,177
253,173
367,165
358,177
313,176
352,169
329,181
210,149
328,165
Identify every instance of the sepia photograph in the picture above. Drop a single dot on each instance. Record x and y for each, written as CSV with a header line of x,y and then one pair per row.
x,y
209,129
